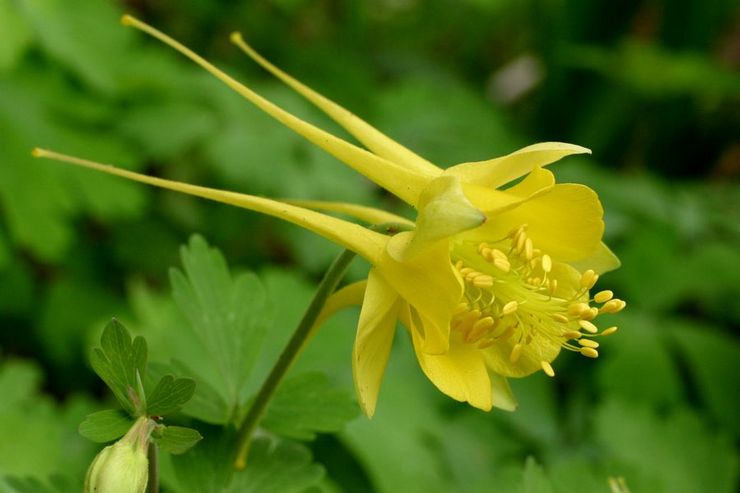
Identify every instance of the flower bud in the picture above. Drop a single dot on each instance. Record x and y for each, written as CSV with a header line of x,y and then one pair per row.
x,y
122,467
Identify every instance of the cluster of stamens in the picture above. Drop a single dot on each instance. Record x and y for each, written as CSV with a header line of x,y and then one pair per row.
x,y
512,296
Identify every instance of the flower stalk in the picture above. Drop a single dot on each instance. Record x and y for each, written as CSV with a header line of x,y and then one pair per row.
x,y
297,341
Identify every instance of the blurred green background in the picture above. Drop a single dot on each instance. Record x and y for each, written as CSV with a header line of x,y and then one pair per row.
x,y
651,86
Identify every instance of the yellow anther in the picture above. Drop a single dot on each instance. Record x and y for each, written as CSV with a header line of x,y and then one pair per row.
x,y
547,368
506,334
589,314
588,343
486,254
480,328
516,352
459,264
517,231
460,309
486,343
510,308
577,308
528,247
588,326
572,334
502,264
559,317
483,281
588,279
521,239
470,276
589,352
603,296
466,270
612,306
498,254
546,263
609,331
465,322
483,246
552,286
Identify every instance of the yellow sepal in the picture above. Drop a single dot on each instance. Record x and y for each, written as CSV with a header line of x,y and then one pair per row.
x,y
500,171
373,139
375,331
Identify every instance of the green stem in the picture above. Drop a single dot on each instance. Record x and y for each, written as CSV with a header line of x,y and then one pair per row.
x,y
326,288
152,485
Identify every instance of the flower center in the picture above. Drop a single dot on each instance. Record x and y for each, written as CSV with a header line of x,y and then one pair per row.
x,y
518,300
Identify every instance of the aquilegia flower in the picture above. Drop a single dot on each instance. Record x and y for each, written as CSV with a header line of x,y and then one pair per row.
x,y
491,282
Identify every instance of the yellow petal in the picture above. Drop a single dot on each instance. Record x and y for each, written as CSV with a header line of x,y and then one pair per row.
x,y
370,215
374,140
541,348
403,182
565,222
499,171
600,261
375,332
430,283
460,373
492,201
444,210
349,295
360,240
503,397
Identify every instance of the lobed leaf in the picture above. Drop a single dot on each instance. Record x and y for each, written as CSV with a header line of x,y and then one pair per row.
x,y
226,314
177,439
309,404
170,395
105,426
121,365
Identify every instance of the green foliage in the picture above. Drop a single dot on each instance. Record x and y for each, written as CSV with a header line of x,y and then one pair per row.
x,y
307,404
274,466
176,439
653,449
225,314
651,90
121,364
105,426
169,395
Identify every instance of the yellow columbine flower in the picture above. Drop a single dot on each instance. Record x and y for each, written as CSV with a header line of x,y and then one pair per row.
x,y
493,280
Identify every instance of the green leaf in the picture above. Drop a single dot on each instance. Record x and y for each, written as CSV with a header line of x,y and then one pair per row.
x,y
56,484
39,436
637,364
206,404
307,404
535,480
16,35
227,315
207,468
276,466
177,439
105,426
712,358
170,395
40,197
121,364
677,453
84,35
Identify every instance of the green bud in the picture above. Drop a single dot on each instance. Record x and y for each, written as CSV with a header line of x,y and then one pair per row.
x,y
122,467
